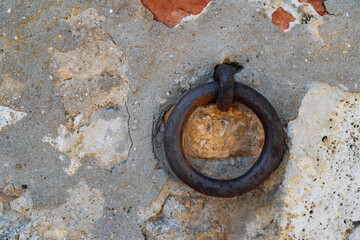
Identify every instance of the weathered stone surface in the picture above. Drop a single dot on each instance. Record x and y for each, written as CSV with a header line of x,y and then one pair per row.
x,y
94,74
106,139
160,65
92,78
282,18
211,133
83,97
96,55
175,215
70,220
171,12
322,177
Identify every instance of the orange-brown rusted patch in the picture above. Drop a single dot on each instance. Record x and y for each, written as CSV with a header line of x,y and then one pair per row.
x,y
282,18
318,5
171,12
211,133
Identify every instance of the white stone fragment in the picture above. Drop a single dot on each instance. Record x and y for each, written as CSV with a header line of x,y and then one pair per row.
x,y
9,116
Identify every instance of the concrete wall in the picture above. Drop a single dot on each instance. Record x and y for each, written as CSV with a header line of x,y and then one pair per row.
x,y
84,86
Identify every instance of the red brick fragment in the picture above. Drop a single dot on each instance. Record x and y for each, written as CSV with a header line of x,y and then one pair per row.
x,y
318,5
282,18
171,12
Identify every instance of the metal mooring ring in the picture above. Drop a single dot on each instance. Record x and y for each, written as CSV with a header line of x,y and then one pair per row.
x,y
224,74
266,163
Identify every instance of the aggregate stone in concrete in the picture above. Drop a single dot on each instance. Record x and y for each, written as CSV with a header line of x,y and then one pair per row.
x,y
75,64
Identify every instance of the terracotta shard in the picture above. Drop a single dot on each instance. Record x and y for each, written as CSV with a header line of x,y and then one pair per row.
x,y
282,18
318,5
171,12
191,6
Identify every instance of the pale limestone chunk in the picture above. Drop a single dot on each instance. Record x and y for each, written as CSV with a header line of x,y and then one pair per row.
x,y
322,183
106,139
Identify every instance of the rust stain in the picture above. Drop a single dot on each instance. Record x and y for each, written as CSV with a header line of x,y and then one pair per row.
x,y
318,5
171,12
282,18
211,133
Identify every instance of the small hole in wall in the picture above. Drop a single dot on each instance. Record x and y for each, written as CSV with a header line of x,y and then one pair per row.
x,y
324,139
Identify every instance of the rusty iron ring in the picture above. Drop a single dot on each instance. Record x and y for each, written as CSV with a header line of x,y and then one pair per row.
x,y
266,163
224,74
